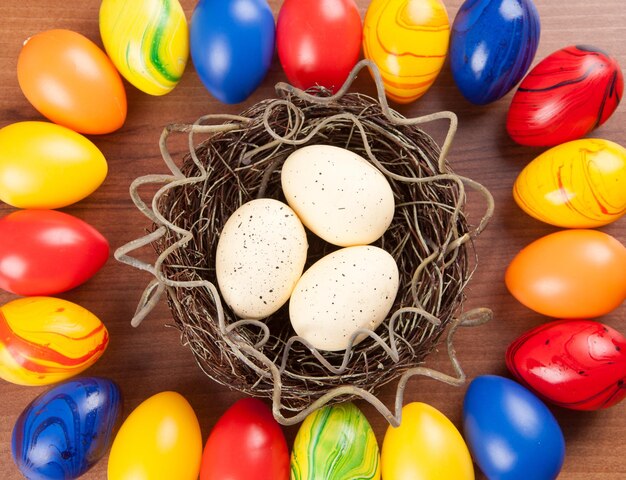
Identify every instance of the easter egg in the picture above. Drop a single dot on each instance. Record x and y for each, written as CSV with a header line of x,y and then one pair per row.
x,y
338,195
147,40
246,444
408,41
570,274
481,68
335,442
577,364
350,289
44,252
161,438
72,82
46,340
232,45
65,431
512,435
579,184
43,165
565,96
426,446
259,258
318,42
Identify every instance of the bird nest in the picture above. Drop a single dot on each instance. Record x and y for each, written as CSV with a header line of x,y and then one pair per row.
x,y
240,160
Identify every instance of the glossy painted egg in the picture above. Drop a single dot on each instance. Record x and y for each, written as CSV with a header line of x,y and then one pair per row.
x,y
65,431
335,442
43,165
260,257
512,435
45,252
318,42
565,96
579,184
232,45
426,446
408,41
147,40
570,274
482,69
45,340
246,444
349,289
577,364
160,439
72,82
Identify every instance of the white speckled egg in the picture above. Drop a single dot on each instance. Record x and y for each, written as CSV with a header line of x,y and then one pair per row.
x,y
260,257
351,288
338,195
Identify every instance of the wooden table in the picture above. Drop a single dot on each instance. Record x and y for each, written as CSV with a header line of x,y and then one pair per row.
x,y
150,359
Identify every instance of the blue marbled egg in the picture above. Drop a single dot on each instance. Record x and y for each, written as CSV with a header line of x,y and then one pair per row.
x,y
493,43
63,432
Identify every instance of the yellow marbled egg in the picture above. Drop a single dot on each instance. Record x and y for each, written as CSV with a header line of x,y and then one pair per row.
x,y
579,184
408,41
147,40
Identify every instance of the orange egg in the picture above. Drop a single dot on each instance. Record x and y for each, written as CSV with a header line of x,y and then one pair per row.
x,y
570,274
72,82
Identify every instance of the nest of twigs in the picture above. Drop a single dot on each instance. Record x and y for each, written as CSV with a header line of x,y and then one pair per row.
x,y
240,160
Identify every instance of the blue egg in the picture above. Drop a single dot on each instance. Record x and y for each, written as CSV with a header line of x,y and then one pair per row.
x,y
492,45
512,435
232,45
63,432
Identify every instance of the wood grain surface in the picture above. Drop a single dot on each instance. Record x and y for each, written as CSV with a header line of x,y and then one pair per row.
x,y
150,359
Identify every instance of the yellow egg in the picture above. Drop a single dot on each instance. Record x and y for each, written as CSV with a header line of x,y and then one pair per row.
x,y
46,166
160,439
579,184
426,446
408,41
147,40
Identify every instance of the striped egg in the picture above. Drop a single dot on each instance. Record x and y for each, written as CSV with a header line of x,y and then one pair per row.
x,y
147,40
408,41
44,340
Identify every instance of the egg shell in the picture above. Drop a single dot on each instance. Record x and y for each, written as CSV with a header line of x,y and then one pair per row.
x,y
147,40
481,68
72,82
352,288
408,41
45,340
565,96
570,274
260,256
318,42
45,252
511,434
338,195
246,443
579,184
161,438
232,45
577,364
65,431
426,445
43,165
335,442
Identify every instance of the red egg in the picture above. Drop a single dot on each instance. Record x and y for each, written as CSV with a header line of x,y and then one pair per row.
x,y
45,252
246,444
318,42
577,364
568,94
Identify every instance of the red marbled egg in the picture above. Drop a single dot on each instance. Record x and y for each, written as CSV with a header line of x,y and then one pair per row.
x,y
577,364
567,95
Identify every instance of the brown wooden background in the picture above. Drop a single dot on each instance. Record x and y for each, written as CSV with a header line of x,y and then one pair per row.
x,y
150,359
